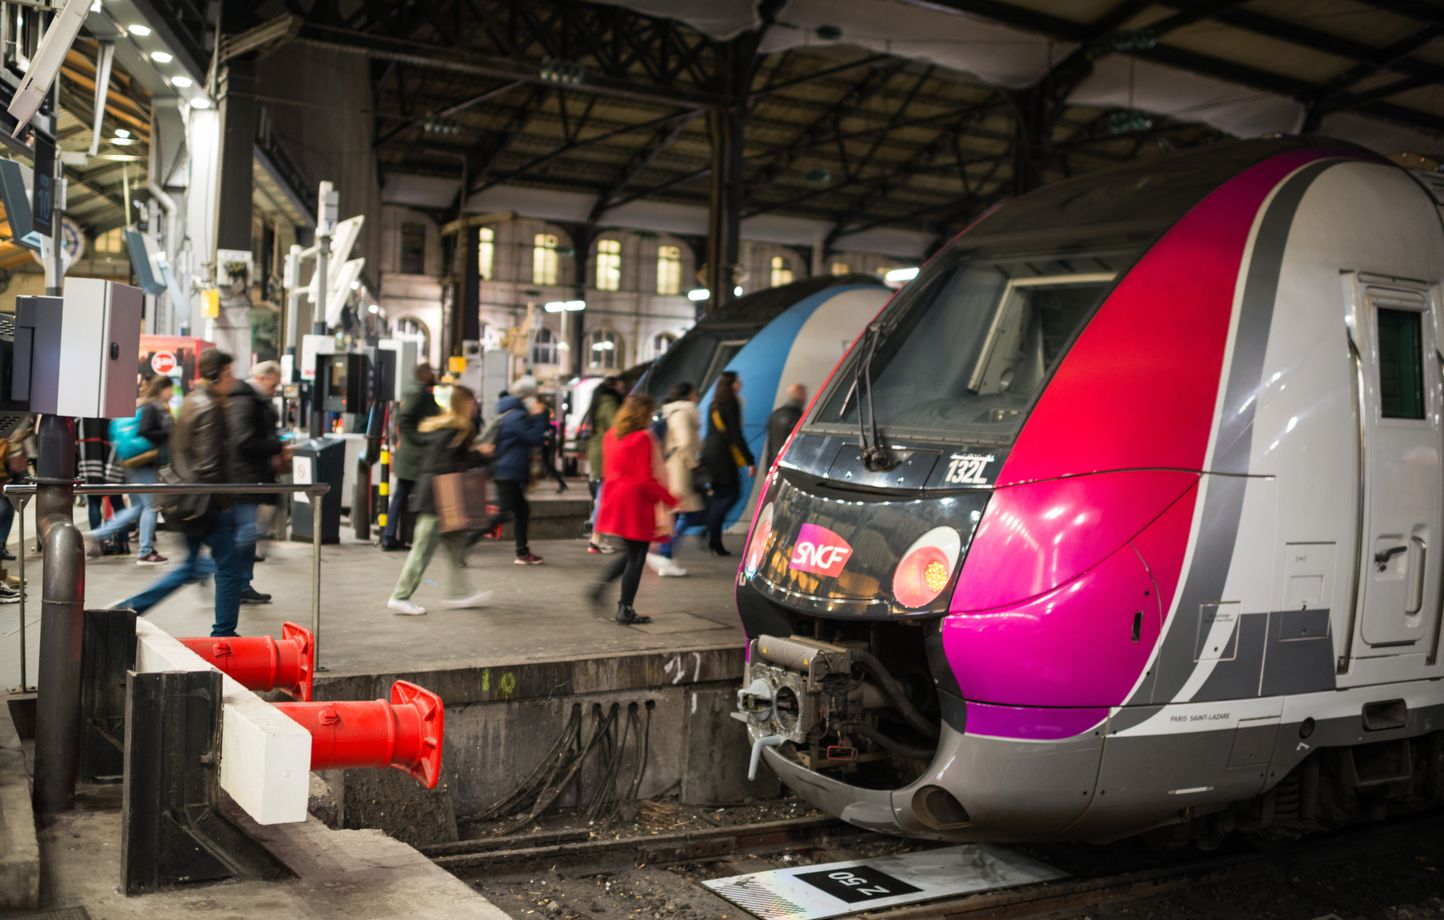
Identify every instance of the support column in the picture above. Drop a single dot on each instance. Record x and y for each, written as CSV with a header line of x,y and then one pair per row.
x,y
470,284
582,236
234,207
724,214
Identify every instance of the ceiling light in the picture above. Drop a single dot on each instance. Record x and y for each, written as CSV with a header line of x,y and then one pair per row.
x,y
122,141
573,306
182,81
697,295
121,132
737,291
200,102
375,308
162,57
138,29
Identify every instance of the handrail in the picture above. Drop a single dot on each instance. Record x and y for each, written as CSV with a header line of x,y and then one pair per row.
x,y
21,493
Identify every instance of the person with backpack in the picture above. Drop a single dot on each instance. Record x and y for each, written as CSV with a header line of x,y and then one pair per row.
x,y
140,445
518,429
448,437
606,399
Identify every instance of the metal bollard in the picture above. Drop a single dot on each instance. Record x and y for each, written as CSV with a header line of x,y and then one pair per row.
x,y
405,733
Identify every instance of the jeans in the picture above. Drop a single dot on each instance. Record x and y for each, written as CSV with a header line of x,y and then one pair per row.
x,y
423,544
96,509
595,486
221,540
628,567
721,502
683,521
248,531
512,496
399,498
142,510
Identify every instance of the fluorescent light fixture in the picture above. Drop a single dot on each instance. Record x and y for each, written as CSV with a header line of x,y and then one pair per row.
x,y
554,306
901,275
122,141
121,132
182,81
697,295
138,29
604,346
737,291
200,102
162,57
573,306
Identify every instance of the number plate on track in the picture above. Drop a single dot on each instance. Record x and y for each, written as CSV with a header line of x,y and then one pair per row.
x,y
839,889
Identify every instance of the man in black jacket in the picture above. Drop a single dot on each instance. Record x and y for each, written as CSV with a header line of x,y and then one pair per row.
x,y
783,419
256,441
200,452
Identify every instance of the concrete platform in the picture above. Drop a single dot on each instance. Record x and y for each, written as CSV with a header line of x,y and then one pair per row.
x,y
340,875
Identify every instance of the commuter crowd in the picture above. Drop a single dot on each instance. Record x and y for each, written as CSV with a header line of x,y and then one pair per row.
x,y
653,476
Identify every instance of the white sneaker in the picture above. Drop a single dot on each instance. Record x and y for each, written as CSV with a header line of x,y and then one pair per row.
x,y
672,570
657,562
405,607
478,599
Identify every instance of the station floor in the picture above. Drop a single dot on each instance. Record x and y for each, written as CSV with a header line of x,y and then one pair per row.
x,y
535,612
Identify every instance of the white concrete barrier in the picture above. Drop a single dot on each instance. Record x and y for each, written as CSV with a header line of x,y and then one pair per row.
x,y
265,756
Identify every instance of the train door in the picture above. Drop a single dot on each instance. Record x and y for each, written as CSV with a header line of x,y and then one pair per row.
x,y
1395,336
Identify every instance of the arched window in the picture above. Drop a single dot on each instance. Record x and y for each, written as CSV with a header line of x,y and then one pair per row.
x,y
544,259
485,252
609,265
661,342
544,347
603,350
781,271
669,269
411,326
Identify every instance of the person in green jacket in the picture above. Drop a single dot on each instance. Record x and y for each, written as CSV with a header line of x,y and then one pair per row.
x,y
606,399
409,452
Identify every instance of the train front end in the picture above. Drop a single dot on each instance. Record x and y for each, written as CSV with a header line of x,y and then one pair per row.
x,y
966,558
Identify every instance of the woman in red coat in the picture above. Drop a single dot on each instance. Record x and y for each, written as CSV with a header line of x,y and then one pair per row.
x,y
631,463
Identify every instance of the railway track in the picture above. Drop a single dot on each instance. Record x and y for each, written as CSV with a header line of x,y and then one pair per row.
x,y
682,855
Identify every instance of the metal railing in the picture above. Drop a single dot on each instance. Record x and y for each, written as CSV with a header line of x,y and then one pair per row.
x,y
21,493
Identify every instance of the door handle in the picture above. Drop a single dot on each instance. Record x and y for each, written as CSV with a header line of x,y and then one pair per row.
x,y
1416,584
1382,557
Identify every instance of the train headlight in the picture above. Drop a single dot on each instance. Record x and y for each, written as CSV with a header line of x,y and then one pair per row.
x,y
926,568
757,549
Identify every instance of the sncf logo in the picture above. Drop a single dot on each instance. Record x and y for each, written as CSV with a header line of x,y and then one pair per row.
x,y
820,551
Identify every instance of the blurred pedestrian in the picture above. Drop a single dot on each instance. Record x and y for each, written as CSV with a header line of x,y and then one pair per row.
x,y
636,495
200,453
549,452
682,454
521,420
14,468
724,453
447,438
606,399
142,444
782,420
100,467
409,453
259,451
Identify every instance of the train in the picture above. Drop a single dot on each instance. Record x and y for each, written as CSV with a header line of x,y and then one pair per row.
x,y
1120,519
794,333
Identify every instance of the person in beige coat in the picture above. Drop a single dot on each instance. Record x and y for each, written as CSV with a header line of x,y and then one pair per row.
x,y
682,453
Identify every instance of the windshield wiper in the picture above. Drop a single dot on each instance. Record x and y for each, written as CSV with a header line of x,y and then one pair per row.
x,y
875,455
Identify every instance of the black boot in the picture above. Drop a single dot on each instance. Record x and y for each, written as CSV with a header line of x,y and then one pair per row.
x,y
629,617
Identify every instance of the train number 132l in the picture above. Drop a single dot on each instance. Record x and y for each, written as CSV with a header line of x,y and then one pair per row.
x,y
967,469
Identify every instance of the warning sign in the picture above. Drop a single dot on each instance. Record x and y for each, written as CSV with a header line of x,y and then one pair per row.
x,y
163,363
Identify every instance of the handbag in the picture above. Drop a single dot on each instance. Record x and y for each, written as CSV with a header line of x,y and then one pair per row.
x,y
192,515
140,460
460,501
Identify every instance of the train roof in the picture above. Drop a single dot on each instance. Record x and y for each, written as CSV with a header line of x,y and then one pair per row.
x,y
762,307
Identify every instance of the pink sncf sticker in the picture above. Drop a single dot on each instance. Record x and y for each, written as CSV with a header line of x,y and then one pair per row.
x,y
820,551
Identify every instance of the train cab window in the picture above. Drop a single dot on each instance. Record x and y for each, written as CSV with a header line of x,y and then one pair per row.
x,y
1401,363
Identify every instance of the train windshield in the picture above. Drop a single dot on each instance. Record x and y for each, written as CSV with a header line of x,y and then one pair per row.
x,y
962,354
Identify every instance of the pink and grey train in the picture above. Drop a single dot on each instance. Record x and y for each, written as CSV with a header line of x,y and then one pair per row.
x,y
1125,515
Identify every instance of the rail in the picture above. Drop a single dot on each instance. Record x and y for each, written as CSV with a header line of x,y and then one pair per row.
x,y
21,493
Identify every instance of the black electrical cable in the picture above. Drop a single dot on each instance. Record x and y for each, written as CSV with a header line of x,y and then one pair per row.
x,y
895,693
534,781
646,754
883,741
554,791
